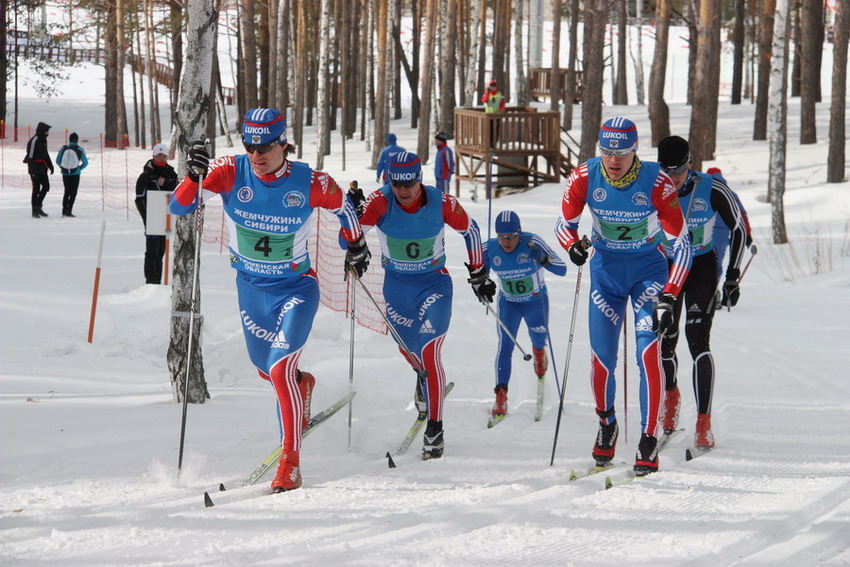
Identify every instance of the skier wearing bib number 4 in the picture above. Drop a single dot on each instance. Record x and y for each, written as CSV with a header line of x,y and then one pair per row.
x,y
268,201
411,218
633,206
520,259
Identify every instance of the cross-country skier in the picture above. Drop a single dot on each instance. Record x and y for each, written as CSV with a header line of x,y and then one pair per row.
x,y
387,152
722,234
707,202
633,206
268,200
520,259
411,218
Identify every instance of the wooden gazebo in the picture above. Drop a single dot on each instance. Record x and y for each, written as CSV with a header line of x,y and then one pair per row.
x,y
540,83
521,146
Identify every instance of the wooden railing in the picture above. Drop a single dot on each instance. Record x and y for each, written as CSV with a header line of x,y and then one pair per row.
x,y
540,83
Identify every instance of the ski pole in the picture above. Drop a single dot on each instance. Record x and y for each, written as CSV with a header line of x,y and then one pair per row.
x,y
525,355
753,251
626,374
567,360
421,373
199,221
351,360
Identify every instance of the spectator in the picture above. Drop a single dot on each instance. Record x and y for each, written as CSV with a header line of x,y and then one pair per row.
x,y
38,164
72,161
157,175
444,165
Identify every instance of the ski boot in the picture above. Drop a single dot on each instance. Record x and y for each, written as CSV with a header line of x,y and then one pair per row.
x,y
606,440
306,383
433,447
646,459
501,405
703,437
288,475
541,362
670,410
419,398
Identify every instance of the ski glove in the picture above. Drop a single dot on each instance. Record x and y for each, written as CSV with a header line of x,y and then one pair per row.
x,y
578,251
482,285
357,257
355,193
662,316
198,160
731,290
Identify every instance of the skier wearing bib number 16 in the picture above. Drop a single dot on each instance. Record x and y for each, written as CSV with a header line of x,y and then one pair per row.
x,y
411,218
633,206
268,201
519,258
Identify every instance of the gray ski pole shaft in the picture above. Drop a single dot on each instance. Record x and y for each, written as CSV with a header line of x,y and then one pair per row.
x,y
420,370
351,359
525,355
199,221
566,366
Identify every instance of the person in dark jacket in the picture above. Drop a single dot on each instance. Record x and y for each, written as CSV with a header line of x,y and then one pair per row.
x,y
156,176
71,160
38,164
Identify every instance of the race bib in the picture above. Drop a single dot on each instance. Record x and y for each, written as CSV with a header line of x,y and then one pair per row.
x,y
264,247
518,287
414,250
624,231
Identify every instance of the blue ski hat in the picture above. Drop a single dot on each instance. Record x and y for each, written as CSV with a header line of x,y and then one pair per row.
x,y
263,126
391,139
405,166
507,222
618,133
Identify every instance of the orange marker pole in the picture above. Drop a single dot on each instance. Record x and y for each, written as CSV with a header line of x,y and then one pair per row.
x,y
96,281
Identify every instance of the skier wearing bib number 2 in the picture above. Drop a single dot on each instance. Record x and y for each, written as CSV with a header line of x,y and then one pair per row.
x,y
633,206
411,218
519,257
268,201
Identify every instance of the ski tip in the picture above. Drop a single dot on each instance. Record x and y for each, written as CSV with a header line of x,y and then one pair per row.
x,y
609,484
573,475
221,487
208,503
390,462
689,456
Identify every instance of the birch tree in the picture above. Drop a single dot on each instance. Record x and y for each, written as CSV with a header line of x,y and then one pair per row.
x,y
471,81
777,121
193,106
572,73
424,139
621,95
595,14
521,94
323,98
639,77
659,112
447,84
765,44
555,81
837,115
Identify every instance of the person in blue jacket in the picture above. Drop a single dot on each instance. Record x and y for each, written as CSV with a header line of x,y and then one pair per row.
x,y
520,259
387,152
444,164
71,165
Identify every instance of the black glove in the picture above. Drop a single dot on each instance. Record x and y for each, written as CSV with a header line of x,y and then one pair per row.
x,y
578,252
357,257
482,285
731,291
198,160
355,193
662,316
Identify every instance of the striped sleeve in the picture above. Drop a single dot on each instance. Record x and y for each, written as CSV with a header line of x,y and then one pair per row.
x,y
557,267
673,223
219,179
455,216
325,193
723,201
572,205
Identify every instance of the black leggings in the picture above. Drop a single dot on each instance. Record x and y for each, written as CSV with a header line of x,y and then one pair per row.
x,y
697,298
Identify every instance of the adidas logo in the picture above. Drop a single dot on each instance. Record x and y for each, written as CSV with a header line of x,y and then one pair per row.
x,y
694,308
644,324
427,328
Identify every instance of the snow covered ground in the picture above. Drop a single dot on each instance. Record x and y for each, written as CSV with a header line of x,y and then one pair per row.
x,y
88,473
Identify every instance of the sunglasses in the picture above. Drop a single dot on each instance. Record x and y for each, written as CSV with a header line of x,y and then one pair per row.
x,y
677,170
259,148
405,184
619,153
511,236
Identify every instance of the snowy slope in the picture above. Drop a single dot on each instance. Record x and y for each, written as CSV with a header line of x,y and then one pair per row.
x,y
90,434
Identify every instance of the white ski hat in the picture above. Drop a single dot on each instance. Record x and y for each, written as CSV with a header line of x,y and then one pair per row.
x,y
160,149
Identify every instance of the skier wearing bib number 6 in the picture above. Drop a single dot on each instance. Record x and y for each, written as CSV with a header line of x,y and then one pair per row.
x,y
268,200
411,218
520,259
633,206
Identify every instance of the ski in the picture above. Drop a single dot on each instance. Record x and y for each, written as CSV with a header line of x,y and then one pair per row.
x,y
538,411
693,452
314,422
495,420
611,480
666,436
421,418
576,474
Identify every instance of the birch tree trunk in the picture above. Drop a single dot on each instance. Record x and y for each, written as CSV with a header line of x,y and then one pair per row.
x,y
322,98
381,96
777,121
521,93
555,83
659,112
193,105
249,55
837,116
471,71
620,92
639,76
738,38
447,84
572,72
765,45
424,139
121,108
